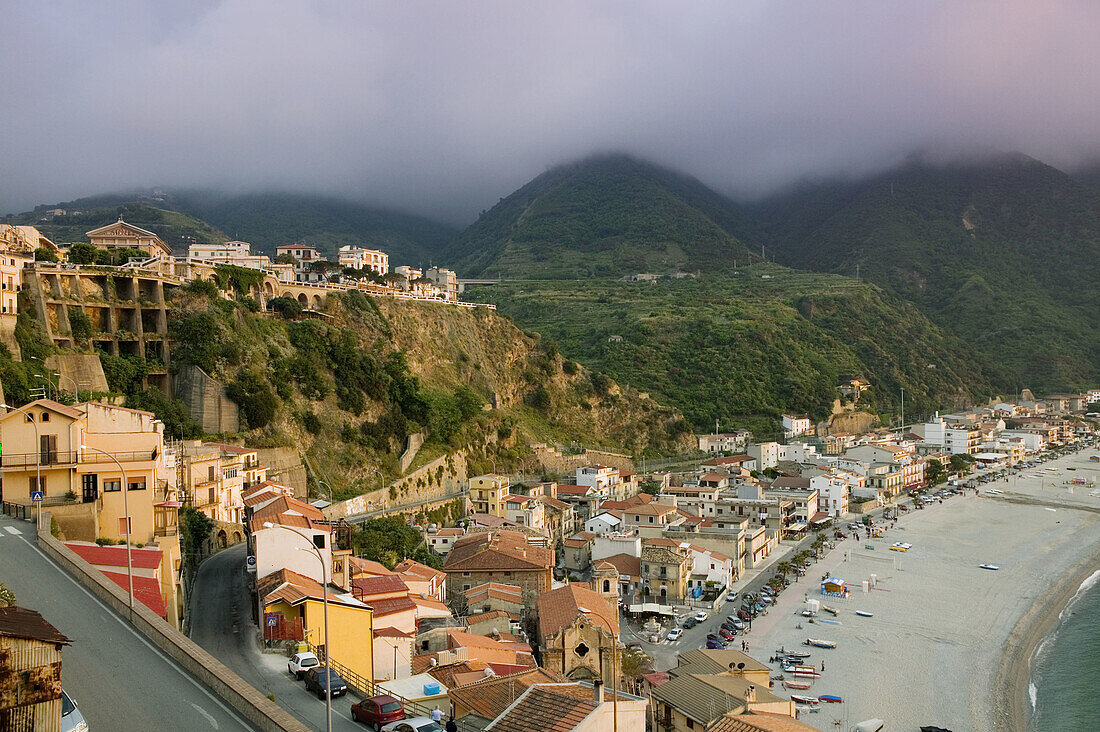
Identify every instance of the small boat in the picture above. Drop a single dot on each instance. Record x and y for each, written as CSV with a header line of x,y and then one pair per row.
x,y
800,685
807,708
864,614
830,698
803,671
808,613
805,699
828,609
791,654
988,566
817,643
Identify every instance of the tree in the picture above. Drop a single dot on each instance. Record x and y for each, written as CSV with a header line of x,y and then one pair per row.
x,y
634,664
651,487
83,253
42,254
286,258
961,463
7,597
934,472
287,307
254,396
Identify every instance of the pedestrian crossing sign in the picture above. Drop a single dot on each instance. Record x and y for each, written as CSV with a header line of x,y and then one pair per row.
x,y
36,496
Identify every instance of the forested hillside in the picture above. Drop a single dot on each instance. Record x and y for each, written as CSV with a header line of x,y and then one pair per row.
x,y
178,230
998,252
603,217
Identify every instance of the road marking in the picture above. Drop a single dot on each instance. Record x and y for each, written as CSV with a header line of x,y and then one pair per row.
x,y
209,718
145,641
12,530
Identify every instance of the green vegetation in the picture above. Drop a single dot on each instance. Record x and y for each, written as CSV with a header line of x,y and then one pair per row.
x,y
178,230
602,217
994,252
389,540
744,349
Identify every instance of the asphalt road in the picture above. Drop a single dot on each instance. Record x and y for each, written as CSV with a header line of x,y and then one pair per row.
x,y
221,622
120,681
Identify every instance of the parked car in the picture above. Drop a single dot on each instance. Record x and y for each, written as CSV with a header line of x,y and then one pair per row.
x,y
302,662
674,634
765,601
320,680
378,710
744,614
737,623
725,634
731,597
414,724
715,645
71,718
701,616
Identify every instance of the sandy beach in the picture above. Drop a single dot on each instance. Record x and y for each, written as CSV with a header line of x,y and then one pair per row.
x,y
949,643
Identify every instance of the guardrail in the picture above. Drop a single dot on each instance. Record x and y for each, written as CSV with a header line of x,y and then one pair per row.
x,y
69,457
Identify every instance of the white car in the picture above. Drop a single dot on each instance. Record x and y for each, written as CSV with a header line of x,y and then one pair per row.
x,y
415,724
302,662
71,718
674,634
701,616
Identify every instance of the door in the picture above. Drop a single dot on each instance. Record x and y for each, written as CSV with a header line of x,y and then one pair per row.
x,y
48,448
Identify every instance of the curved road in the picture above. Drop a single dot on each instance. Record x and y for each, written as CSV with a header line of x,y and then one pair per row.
x,y
117,677
221,622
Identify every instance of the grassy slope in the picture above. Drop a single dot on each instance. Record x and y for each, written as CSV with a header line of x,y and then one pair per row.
x,y
740,346
1014,285
606,216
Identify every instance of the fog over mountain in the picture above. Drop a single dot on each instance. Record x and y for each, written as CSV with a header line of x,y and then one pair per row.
x,y
442,108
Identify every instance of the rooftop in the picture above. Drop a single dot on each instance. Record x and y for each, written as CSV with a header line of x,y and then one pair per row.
x,y
557,609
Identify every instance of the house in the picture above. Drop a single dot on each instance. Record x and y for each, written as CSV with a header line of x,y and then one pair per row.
x,y
442,540
487,694
213,478
121,235
236,253
30,671
957,438
525,511
559,519
586,500
747,462
795,425
799,492
603,523
832,491
69,453
422,580
299,599
704,688
493,596
359,258
601,477
652,516
499,556
275,548
444,283
709,568
17,246
577,551
304,258
488,494
724,441
578,632
766,454
665,572
490,650
576,707
629,570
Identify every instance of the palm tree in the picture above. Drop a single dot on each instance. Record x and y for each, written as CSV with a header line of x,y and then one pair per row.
x,y
783,568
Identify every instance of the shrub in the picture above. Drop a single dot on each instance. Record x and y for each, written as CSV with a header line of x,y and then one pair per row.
x,y
202,287
80,324
287,307
82,253
570,367
255,398
311,422
539,398
42,254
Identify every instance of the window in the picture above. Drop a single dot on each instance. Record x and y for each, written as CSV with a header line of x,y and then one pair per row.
x,y
650,519
136,484
29,417
465,574
109,486
45,417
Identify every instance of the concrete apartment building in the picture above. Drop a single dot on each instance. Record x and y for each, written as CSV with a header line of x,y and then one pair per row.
x,y
766,454
236,253
795,425
957,438
359,258
444,283
489,494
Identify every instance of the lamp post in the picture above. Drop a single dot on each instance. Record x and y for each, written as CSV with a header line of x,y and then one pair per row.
x,y
37,464
126,511
324,599
49,385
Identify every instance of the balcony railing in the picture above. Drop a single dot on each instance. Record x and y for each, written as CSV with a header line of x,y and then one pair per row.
x,y
27,460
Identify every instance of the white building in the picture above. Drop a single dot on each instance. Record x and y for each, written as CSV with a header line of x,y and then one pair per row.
x,y
724,441
1033,441
359,258
237,253
304,257
608,545
832,494
273,526
766,454
795,425
956,438
603,523
444,283
599,477
798,452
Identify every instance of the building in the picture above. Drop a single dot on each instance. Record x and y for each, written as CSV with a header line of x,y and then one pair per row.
x,y
795,425
766,454
957,438
833,492
488,494
707,685
236,253
732,462
121,235
274,548
304,260
157,583
578,632
499,556
724,441
525,511
44,451
577,707
480,696
560,519
665,572
422,580
211,478
444,283
358,258
493,596
300,599
443,539
30,671
601,477
577,551
17,246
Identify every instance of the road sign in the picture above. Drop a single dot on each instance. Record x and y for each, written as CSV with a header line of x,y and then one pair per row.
x,y
36,496
269,620
250,563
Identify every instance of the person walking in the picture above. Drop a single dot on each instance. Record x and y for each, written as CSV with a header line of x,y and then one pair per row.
x,y
437,715
451,726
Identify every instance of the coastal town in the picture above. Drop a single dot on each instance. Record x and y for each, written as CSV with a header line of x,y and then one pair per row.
x,y
707,594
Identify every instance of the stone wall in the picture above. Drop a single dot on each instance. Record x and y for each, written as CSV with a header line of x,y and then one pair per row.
x,y
442,479
555,461
79,370
206,401
415,440
284,466
7,335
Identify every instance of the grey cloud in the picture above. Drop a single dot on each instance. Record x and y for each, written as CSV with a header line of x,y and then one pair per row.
x,y
441,108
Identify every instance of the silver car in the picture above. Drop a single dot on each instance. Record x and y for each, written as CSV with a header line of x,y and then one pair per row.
x,y
71,718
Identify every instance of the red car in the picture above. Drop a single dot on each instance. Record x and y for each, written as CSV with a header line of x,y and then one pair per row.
x,y
726,634
378,710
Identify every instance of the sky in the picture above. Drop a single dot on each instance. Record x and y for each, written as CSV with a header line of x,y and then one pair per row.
x,y
441,108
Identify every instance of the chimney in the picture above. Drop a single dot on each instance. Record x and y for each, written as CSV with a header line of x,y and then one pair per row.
x,y
750,695
597,692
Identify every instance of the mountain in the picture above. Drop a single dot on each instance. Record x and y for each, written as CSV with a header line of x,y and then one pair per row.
x,y
997,251
265,220
605,216
268,219
745,348
177,229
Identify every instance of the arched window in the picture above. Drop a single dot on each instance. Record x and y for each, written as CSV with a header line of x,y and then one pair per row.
x,y
607,585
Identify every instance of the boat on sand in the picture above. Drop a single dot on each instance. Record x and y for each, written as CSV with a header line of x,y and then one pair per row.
x,y
799,685
818,643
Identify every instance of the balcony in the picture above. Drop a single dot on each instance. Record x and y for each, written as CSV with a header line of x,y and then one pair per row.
x,y
27,460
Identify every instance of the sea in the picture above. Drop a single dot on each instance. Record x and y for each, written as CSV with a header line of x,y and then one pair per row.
x,y
1064,669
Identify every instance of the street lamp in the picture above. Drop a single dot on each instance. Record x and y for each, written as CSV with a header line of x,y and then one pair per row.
x,y
324,598
126,511
49,384
37,464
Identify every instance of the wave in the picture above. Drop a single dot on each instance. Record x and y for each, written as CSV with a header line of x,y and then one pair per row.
x,y
1032,694
1084,587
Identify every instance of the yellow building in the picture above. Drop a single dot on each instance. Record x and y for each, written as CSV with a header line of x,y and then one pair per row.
x,y
351,622
211,477
17,245
489,494
121,235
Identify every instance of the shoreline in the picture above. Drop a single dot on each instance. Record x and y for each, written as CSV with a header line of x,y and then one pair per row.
x,y
1036,625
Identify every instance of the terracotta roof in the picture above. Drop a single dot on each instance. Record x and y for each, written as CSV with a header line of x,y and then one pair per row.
x,y
651,509
51,405
449,673
420,571
558,609
256,497
510,593
391,633
759,722
490,696
115,556
713,661
448,532
553,503
497,550
390,605
656,678
639,499
234,449
360,566
713,477
543,708
574,490
284,585
519,499
663,555
146,591
426,605
459,638
385,584
625,564
287,511
22,622
784,481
